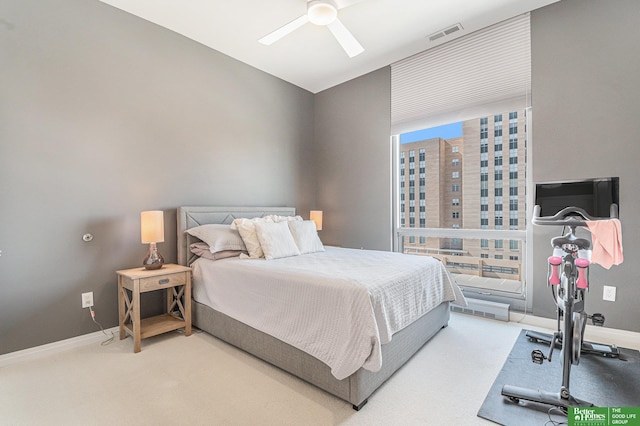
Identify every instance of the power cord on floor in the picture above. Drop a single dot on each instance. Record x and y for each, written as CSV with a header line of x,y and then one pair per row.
x,y
109,339
555,422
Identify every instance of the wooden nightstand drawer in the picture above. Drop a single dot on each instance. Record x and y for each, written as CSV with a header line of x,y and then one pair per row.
x,y
164,281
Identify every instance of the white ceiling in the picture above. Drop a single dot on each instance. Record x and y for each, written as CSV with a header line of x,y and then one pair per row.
x,y
310,57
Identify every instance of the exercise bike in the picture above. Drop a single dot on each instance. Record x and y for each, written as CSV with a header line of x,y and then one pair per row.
x,y
568,278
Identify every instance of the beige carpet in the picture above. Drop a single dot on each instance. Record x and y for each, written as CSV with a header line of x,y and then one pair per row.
x,y
199,380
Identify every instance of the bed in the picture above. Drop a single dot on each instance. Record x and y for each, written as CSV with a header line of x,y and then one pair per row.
x,y
341,370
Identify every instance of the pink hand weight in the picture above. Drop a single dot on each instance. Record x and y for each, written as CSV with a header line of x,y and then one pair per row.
x,y
582,265
554,268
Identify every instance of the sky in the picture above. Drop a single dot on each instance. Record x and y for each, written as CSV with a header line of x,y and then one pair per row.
x,y
447,131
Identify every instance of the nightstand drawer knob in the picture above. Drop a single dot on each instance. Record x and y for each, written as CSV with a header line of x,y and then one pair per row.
x,y
164,281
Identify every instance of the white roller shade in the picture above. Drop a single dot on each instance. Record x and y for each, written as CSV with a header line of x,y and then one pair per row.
x,y
479,74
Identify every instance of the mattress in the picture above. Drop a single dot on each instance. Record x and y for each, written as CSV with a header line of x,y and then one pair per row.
x,y
339,306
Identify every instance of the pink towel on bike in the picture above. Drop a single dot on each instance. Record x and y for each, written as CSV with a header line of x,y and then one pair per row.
x,y
606,236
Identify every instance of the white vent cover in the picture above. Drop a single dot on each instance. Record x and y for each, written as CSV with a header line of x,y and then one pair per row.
x,y
442,33
483,308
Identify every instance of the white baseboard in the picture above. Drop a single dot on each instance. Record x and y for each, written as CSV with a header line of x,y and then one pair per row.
x,y
55,347
609,336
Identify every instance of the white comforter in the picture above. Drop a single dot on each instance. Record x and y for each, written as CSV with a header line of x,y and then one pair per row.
x,y
338,306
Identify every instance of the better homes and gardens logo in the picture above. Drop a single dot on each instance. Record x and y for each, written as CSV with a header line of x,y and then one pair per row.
x,y
603,416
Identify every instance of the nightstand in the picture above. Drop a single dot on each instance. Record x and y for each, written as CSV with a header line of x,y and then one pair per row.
x,y
175,280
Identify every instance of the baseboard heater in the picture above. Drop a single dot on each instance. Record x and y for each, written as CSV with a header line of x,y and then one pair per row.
x,y
483,308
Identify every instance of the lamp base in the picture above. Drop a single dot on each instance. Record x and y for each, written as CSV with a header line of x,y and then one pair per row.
x,y
154,259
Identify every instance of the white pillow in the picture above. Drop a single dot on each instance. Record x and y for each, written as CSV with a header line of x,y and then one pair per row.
x,y
305,236
247,230
219,237
276,240
277,218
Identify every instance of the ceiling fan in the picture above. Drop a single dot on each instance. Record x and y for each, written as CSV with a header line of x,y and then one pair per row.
x,y
321,13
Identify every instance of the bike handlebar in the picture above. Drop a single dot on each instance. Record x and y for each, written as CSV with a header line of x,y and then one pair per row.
x,y
570,216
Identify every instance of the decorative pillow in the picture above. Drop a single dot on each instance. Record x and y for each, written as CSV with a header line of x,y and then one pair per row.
x,y
247,230
305,236
218,237
277,218
202,250
276,240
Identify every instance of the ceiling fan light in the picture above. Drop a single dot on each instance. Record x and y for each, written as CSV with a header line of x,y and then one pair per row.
x,y
322,12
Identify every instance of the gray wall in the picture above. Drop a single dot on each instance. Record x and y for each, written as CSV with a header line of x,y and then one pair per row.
x,y
353,161
104,115
586,63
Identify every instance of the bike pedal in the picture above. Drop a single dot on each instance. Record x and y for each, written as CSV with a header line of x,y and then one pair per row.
x,y
537,357
597,319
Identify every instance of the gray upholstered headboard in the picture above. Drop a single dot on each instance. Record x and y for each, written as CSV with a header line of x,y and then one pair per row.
x,y
189,217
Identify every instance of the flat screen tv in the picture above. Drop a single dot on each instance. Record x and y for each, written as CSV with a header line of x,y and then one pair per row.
x,y
595,196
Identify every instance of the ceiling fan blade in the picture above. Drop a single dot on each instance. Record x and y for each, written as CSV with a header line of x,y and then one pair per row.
x,y
284,30
345,38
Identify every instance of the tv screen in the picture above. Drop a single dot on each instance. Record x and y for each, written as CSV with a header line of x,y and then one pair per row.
x,y
595,196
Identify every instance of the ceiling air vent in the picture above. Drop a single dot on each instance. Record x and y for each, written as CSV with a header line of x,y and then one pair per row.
x,y
446,32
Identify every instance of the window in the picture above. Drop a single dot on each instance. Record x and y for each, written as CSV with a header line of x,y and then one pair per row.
x,y
498,135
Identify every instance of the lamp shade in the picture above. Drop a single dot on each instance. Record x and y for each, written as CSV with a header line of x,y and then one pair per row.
x,y
316,216
152,226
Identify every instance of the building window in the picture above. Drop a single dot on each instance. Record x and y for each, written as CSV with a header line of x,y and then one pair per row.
x,y
455,175
455,188
455,202
454,149
455,162
455,215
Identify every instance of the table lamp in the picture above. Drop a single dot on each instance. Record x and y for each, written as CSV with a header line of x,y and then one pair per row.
x,y
316,216
152,232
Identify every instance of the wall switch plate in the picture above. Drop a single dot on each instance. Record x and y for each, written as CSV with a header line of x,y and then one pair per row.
x,y
609,293
87,299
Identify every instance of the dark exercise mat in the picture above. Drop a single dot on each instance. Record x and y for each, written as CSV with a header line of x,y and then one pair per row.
x,y
604,382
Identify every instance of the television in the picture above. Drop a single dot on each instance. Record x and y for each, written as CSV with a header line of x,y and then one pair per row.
x,y
595,196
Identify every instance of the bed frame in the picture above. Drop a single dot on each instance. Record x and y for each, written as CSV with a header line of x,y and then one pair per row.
x,y
356,388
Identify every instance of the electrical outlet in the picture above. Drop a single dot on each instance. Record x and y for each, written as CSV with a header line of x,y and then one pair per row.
x,y
609,293
87,299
